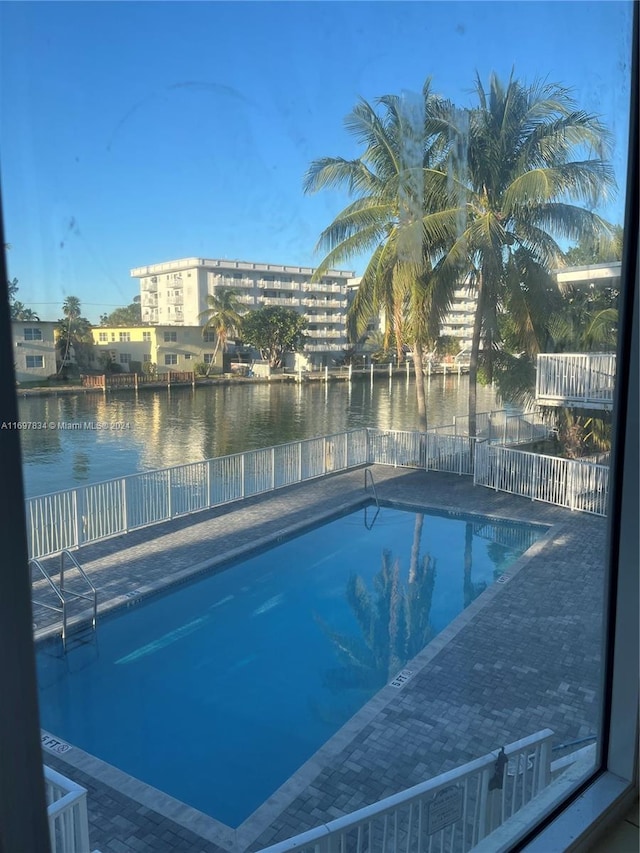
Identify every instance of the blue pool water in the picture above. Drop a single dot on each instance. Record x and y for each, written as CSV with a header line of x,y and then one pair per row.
x,y
219,690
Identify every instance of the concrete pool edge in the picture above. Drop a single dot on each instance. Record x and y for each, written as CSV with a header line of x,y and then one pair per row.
x,y
211,829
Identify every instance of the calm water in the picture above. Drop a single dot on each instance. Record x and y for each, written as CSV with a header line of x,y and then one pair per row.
x,y
187,426
233,681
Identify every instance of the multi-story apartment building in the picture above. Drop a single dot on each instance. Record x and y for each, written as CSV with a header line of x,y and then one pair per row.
x,y
175,294
168,347
34,349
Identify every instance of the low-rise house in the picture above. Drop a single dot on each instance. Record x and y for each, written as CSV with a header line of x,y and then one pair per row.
x,y
34,349
170,348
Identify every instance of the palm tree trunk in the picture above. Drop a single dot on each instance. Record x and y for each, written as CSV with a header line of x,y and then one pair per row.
x,y
473,358
213,357
415,548
420,395
468,563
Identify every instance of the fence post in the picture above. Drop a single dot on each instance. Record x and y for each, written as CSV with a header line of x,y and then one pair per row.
x,y
170,508
242,490
208,482
273,468
125,514
76,519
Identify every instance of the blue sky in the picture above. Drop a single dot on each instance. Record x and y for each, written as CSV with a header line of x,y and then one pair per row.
x,y
133,133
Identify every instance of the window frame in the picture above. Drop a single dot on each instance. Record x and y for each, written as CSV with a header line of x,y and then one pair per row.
x,y
581,818
34,366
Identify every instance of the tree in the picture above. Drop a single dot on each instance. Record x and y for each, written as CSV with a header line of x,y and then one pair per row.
x,y
400,214
522,161
129,315
18,310
224,317
589,252
274,331
73,331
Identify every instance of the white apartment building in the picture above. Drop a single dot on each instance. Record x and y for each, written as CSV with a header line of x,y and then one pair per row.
x,y
175,293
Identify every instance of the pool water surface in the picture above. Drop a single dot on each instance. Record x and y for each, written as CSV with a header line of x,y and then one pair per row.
x,y
217,691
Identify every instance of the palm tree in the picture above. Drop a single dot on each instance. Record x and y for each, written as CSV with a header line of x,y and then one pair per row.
x,y
73,329
400,214
529,169
223,316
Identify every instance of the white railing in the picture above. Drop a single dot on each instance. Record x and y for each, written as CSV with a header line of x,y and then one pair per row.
x,y
432,451
449,814
500,426
67,814
576,379
570,483
75,517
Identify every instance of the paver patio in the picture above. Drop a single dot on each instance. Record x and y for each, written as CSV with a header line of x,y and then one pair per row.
x,y
523,656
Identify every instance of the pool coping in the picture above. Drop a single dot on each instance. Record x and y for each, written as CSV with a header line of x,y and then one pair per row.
x,y
238,840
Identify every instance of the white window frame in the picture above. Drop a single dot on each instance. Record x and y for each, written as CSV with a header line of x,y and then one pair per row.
x,y
32,334
170,358
34,366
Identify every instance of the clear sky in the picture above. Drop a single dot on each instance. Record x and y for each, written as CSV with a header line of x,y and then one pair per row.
x,y
134,133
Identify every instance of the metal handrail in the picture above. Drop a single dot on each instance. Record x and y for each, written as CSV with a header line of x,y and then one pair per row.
x,y
63,609
93,596
373,485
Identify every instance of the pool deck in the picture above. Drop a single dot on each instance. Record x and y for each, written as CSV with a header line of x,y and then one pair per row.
x,y
523,656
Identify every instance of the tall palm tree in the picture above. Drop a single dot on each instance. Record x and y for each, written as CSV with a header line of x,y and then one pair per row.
x,y
73,330
224,317
529,169
401,214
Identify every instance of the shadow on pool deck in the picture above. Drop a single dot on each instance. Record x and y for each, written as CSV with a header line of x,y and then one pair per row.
x,y
523,656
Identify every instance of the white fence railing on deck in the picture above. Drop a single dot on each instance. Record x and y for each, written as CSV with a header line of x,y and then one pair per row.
x,y
565,482
75,517
577,378
449,814
78,516
67,814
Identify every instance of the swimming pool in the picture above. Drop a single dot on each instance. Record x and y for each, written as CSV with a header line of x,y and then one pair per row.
x,y
217,691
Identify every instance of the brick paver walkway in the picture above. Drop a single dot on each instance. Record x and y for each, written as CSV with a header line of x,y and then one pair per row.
x,y
523,656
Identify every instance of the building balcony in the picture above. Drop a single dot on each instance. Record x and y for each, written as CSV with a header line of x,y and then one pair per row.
x,y
289,301
576,380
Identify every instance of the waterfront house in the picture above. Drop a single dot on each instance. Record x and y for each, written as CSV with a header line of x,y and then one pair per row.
x,y
34,349
169,347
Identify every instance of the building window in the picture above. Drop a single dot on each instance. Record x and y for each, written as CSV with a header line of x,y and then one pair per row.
x,y
124,337
32,334
34,361
208,358
170,337
171,358
209,337
146,336
125,357
103,337
187,356
146,358
113,336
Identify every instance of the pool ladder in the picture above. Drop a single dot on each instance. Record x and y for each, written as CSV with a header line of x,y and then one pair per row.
x,y
369,524
64,595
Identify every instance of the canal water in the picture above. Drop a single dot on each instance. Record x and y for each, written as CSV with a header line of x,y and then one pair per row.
x,y
155,429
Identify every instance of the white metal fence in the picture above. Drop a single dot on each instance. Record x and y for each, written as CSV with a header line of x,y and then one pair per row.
x,y
576,378
448,814
78,516
565,482
67,813
75,517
